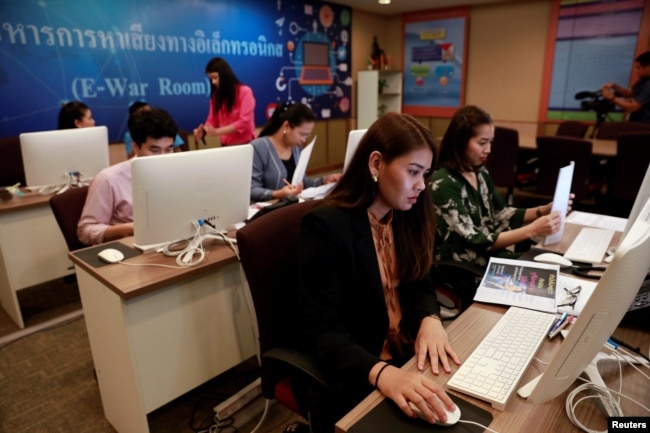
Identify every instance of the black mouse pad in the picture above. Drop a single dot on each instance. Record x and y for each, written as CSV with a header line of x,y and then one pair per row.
x,y
89,255
386,417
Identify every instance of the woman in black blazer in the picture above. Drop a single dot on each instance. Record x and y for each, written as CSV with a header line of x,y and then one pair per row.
x,y
367,304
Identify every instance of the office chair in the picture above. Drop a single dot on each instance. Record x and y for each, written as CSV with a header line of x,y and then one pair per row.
x,y
456,284
67,208
611,130
267,249
572,128
502,162
11,163
557,152
626,173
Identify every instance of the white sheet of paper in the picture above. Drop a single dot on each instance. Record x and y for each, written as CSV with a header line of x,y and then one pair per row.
x,y
301,167
561,200
597,220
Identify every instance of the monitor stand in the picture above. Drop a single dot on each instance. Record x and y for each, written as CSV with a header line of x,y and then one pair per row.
x,y
592,373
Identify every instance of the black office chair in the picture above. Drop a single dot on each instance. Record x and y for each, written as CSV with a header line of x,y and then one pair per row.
x,y
267,248
572,128
502,162
557,152
67,208
611,130
626,173
11,162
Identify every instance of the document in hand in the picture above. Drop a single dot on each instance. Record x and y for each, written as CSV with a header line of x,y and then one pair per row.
x,y
520,283
561,200
301,167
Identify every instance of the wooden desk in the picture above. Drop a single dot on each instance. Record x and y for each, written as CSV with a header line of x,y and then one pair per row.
x,y
32,249
470,328
156,333
606,148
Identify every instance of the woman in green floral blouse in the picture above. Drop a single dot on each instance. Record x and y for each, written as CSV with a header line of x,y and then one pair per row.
x,y
473,221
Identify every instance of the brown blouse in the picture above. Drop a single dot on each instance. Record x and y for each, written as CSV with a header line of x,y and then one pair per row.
x,y
396,344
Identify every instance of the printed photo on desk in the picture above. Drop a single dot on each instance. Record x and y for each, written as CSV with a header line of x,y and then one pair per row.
x,y
519,283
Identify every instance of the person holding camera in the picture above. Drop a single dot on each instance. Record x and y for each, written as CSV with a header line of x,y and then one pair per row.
x,y
635,99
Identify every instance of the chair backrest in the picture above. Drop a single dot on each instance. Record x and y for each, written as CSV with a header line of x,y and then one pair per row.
x,y
611,130
556,152
67,208
268,250
11,162
572,128
629,166
502,162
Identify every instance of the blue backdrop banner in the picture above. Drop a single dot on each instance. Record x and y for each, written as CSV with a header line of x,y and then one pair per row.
x,y
110,53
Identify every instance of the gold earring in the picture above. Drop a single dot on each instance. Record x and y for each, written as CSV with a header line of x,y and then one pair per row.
x,y
375,178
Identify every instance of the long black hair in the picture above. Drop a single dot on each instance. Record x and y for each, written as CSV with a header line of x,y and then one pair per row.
x,y
393,135
294,113
226,93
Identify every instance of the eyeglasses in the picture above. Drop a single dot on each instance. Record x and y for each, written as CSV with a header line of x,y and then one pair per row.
x,y
571,297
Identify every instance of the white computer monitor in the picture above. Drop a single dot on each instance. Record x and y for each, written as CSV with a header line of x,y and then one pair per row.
x,y
48,156
173,190
601,315
353,142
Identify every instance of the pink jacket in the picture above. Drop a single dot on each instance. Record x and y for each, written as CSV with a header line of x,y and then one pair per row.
x,y
242,117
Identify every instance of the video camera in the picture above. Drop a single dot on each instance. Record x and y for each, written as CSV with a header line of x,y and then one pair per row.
x,y
596,102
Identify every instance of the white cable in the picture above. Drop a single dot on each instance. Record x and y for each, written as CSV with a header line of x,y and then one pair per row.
x,y
71,179
632,364
267,404
601,393
477,424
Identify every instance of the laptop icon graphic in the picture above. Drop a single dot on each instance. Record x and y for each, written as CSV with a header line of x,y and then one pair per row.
x,y
315,64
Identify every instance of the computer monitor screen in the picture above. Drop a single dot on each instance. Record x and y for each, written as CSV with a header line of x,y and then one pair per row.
x,y
48,156
602,313
353,142
172,191
315,53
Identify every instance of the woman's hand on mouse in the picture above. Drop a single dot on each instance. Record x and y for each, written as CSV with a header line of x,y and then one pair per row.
x,y
403,386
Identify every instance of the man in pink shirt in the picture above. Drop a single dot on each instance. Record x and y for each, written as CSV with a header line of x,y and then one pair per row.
x,y
108,212
232,107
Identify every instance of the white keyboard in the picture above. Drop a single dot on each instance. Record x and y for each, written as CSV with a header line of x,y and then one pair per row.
x,y
493,371
590,245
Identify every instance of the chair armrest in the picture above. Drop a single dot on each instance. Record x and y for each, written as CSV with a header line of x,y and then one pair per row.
x,y
470,268
279,362
456,283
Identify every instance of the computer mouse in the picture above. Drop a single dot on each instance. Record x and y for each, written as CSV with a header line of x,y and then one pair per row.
x,y
552,258
110,255
452,416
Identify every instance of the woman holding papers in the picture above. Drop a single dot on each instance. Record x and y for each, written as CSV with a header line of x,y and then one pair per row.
x,y
367,303
277,150
473,221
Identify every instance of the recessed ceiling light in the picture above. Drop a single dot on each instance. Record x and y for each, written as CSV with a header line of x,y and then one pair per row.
x,y
384,2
